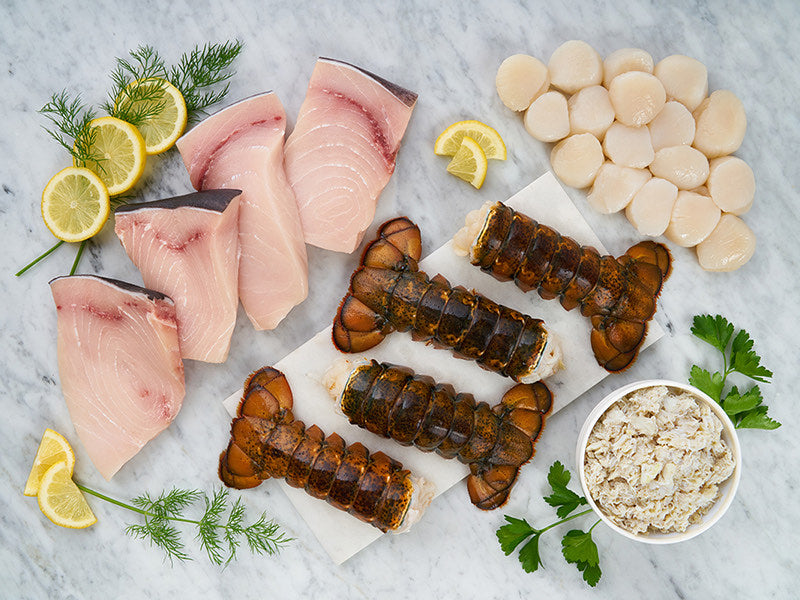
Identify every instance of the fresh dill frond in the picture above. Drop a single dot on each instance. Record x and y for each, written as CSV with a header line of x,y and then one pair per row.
x,y
71,128
137,93
164,511
207,532
202,68
264,536
168,504
234,529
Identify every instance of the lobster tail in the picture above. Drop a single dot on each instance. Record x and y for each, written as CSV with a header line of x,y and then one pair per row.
x,y
397,248
522,416
617,337
388,293
652,264
266,441
618,294
356,327
274,383
490,488
412,409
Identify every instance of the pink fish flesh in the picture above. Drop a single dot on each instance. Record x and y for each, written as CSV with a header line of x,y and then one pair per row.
x,y
241,147
120,366
342,152
187,247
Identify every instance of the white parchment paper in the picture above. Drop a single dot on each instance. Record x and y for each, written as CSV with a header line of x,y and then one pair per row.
x,y
343,535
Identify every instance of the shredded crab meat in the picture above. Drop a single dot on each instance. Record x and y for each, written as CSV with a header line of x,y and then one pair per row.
x,y
655,460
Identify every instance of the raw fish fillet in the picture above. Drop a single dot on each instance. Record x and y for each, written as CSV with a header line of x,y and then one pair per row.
x,y
120,366
241,147
187,247
342,151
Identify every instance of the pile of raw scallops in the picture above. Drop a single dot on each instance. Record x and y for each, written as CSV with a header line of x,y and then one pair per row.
x,y
646,138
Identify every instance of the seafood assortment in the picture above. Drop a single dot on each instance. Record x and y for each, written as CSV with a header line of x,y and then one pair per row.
x,y
120,365
617,294
644,136
187,248
268,442
241,147
389,293
655,120
342,151
393,402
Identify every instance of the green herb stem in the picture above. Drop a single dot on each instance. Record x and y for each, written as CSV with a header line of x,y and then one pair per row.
x,y
39,258
132,508
564,520
77,258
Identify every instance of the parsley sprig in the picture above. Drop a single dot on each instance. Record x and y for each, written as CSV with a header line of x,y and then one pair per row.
x,y
577,546
220,538
745,408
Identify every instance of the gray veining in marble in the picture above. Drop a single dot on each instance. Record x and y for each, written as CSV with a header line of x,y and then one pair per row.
x,y
448,52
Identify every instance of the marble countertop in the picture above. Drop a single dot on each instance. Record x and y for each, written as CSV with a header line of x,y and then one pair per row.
x,y
448,52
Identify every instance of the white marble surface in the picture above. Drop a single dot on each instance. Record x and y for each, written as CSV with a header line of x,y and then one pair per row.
x,y
447,52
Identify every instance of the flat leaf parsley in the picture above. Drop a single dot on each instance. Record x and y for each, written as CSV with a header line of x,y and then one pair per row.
x,y
744,407
577,546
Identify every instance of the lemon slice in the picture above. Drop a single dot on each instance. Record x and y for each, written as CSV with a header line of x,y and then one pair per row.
x,y
52,449
469,162
449,142
75,204
160,131
61,501
121,149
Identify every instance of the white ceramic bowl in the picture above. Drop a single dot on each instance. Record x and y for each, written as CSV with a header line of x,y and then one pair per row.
x,y
727,489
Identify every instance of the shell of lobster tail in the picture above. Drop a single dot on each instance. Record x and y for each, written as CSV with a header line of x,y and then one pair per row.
x,y
267,441
357,327
394,402
617,294
389,293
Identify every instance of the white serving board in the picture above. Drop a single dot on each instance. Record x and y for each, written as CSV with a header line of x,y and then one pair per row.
x,y
343,535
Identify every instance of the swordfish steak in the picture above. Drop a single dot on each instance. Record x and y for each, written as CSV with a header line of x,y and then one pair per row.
x,y
187,247
119,362
342,151
241,147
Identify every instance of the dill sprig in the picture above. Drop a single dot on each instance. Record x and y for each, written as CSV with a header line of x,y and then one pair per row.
x,y
137,93
202,68
71,118
219,540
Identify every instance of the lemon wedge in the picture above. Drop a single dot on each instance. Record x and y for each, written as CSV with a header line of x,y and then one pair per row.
x,y
75,204
121,151
54,448
62,501
489,140
469,162
160,131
